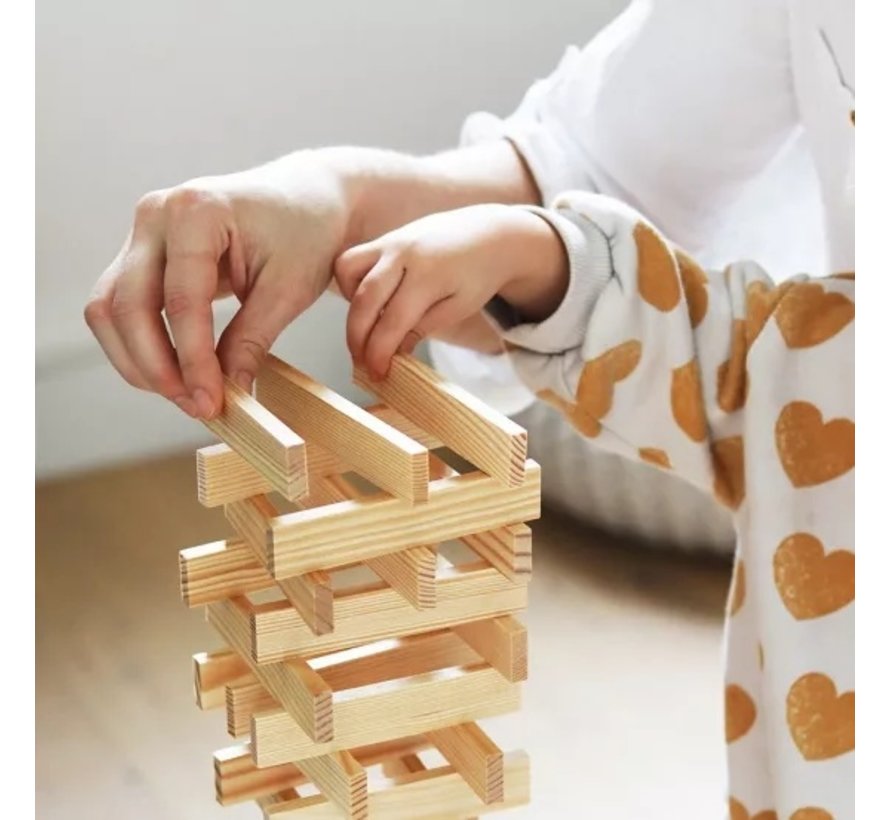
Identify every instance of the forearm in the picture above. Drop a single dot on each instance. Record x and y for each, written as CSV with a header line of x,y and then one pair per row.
x,y
384,190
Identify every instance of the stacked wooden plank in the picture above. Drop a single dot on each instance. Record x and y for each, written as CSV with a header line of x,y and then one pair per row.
x,y
360,640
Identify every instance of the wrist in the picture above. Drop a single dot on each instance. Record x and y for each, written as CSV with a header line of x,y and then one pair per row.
x,y
539,267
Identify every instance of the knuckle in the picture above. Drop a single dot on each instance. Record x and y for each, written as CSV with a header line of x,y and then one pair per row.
x,y
149,206
178,303
121,309
256,343
188,199
96,312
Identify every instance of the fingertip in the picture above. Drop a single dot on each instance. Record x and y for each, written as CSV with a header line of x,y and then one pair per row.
x,y
207,407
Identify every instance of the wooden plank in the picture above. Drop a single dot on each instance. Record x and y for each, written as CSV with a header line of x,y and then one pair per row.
x,y
238,778
299,689
411,572
212,671
508,549
433,794
475,756
398,709
351,531
310,593
490,441
244,697
342,780
408,764
383,455
376,612
274,450
503,642
221,569
223,476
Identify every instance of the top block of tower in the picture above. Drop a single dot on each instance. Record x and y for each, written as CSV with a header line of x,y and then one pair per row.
x,y
330,679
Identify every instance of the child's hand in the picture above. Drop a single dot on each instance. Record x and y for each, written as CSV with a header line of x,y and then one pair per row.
x,y
432,274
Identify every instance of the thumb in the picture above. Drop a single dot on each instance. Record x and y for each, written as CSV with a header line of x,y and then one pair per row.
x,y
253,330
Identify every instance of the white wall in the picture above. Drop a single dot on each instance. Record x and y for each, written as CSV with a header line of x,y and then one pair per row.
x,y
135,96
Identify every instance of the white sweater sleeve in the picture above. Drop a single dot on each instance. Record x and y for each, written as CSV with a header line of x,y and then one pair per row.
x,y
673,108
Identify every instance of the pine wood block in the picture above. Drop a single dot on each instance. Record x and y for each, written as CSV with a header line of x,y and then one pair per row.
x,y
297,687
433,794
224,476
397,709
475,756
212,671
490,441
221,569
503,642
383,455
411,572
238,779
408,764
311,593
375,612
508,548
265,442
351,531
342,780
244,697
357,668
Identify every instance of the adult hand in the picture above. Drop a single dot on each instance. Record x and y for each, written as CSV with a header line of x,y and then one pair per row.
x,y
268,235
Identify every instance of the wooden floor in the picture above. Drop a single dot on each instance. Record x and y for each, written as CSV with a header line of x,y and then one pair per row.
x,y
622,713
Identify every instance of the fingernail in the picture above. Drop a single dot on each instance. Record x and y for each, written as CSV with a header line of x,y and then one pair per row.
x,y
244,380
206,407
186,405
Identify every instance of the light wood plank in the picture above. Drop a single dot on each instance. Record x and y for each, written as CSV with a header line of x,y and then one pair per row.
x,y
223,476
408,764
411,572
299,689
221,569
238,779
434,794
351,531
376,612
264,441
508,549
244,697
342,780
490,441
503,642
212,671
383,455
475,756
397,709
310,593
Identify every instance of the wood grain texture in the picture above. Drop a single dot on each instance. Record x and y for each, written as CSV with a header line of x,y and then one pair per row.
x,y
490,441
475,756
342,780
503,642
212,671
296,686
238,779
508,549
376,612
396,709
382,454
244,697
310,593
224,476
351,531
420,796
265,442
411,572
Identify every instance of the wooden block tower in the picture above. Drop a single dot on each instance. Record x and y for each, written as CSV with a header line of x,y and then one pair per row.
x,y
359,635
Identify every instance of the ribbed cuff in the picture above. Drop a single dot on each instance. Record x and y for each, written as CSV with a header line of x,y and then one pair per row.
x,y
590,269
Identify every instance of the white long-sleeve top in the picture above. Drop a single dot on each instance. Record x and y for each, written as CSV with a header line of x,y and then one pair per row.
x,y
726,123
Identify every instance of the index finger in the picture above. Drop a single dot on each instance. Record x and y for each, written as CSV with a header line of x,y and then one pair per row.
x,y
190,284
